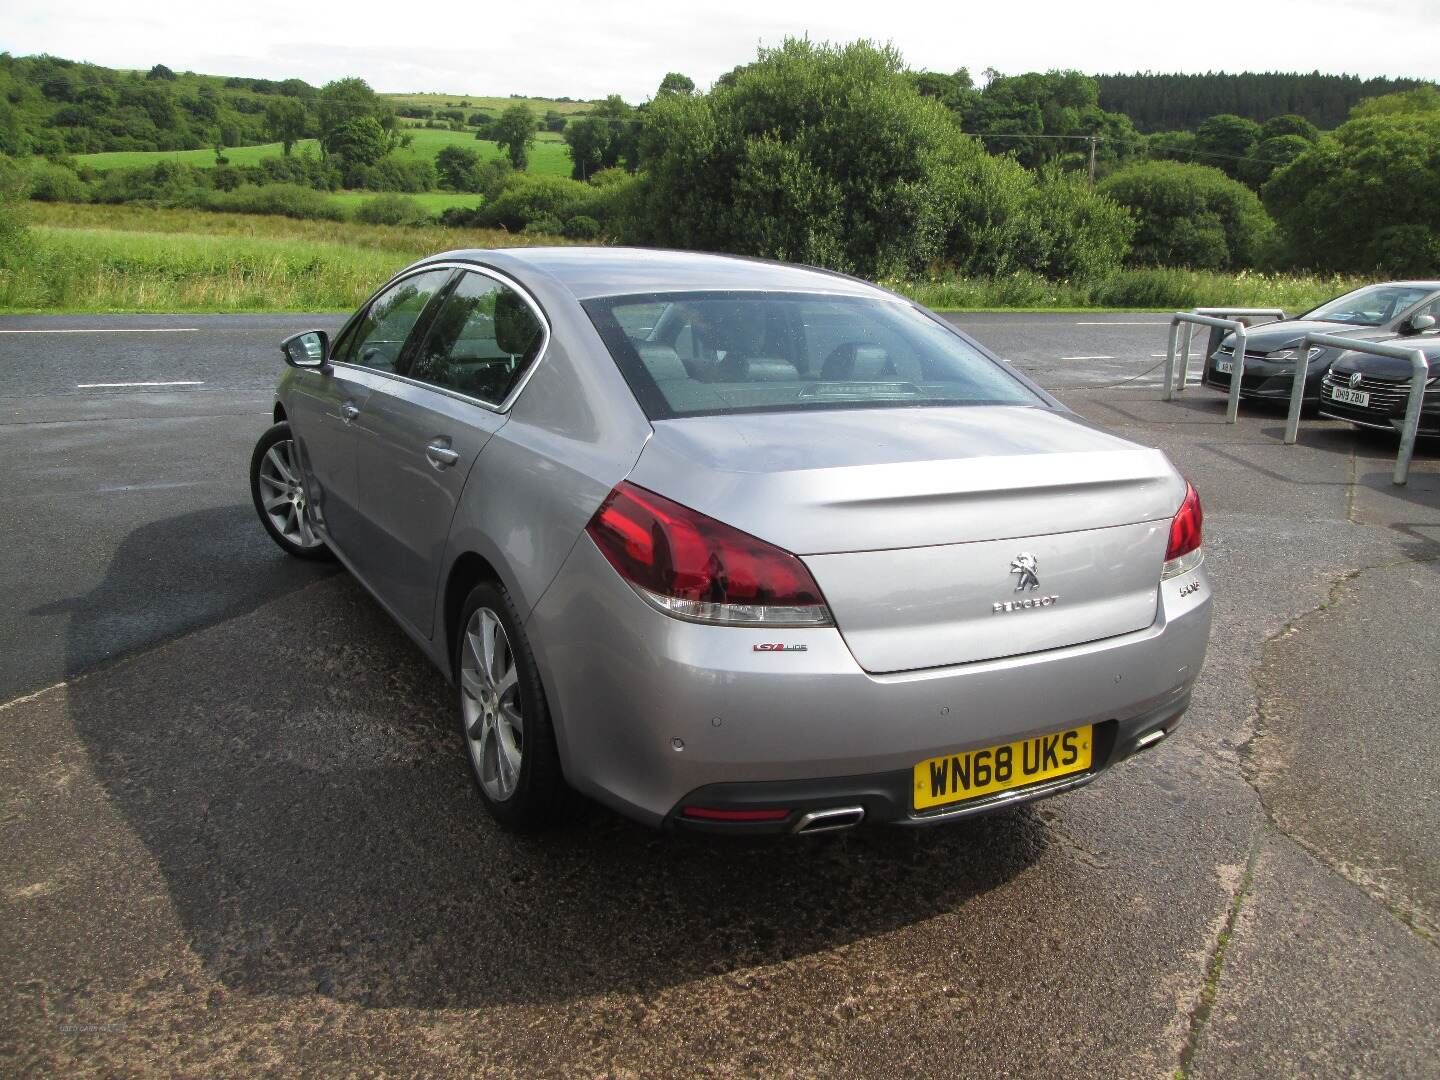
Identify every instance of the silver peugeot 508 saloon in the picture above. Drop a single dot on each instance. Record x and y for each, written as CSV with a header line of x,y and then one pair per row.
x,y
734,545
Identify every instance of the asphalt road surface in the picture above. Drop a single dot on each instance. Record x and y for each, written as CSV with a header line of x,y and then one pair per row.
x,y
238,832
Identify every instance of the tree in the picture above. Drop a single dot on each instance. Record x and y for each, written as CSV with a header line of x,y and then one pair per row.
x,y
1289,124
1421,99
676,83
1223,140
1272,154
1189,215
285,121
160,71
956,91
607,136
1367,198
514,130
358,141
347,99
1171,146
1032,115
554,120
457,167
828,155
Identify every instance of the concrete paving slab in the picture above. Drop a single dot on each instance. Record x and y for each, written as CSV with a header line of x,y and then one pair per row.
x,y
1317,980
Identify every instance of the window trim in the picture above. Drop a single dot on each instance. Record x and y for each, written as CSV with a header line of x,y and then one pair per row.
x,y
507,403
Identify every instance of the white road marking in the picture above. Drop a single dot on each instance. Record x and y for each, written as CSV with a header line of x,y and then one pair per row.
x,y
1087,358
1122,324
113,330
111,385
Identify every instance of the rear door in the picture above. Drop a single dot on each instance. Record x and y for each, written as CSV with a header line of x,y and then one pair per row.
x,y
422,432
325,404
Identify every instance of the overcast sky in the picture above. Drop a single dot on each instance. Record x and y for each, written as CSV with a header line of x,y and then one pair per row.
x,y
586,50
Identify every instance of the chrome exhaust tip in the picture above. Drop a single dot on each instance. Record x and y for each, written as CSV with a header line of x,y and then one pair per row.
x,y
831,820
1149,739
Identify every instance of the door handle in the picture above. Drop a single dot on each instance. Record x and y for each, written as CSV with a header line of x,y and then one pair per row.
x,y
349,411
440,454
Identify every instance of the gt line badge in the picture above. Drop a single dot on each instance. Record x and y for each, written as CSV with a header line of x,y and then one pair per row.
x,y
1025,566
767,646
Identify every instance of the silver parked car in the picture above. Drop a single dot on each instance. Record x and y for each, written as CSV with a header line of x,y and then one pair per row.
x,y
734,545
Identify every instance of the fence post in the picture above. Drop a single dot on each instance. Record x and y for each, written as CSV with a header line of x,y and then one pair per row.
x,y
1232,411
1297,392
1170,358
1419,374
1188,330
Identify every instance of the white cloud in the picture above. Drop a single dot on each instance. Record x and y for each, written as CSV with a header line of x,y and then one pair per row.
x,y
591,49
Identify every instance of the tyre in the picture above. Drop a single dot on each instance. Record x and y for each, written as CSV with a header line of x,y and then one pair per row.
x,y
504,719
278,488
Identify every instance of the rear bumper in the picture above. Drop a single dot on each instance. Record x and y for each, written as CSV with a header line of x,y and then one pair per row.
x,y
650,710
885,797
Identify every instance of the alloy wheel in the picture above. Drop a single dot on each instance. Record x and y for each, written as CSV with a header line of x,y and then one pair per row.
x,y
282,493
490,698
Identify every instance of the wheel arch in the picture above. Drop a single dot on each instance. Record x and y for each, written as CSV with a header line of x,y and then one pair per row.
x,y
469,569
279,414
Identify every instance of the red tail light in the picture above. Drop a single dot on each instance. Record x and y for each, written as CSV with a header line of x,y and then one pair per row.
x,y
695,567
1183,552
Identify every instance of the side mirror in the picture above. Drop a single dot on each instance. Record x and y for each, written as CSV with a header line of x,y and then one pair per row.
x,y
1416,323
308,350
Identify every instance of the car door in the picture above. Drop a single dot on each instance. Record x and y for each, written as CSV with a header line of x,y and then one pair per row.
x,y
422,433
327,402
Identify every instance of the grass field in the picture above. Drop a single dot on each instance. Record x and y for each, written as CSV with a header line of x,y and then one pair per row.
x,y
539,106
432,201
131,258
548,158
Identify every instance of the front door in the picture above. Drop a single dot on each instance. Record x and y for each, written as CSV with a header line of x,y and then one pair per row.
x,y
421,436
329,403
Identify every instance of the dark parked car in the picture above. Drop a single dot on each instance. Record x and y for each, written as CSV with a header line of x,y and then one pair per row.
x,y
1372,391
1374,313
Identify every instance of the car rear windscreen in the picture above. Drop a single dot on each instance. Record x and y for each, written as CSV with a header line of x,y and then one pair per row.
x,y
711,353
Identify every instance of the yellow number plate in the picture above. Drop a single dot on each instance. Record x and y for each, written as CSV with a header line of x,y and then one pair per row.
x,y
958,777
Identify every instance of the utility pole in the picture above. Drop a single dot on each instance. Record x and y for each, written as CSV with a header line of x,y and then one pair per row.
x,y
1093,140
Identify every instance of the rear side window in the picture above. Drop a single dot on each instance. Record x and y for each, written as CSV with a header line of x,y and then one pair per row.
x,y
481,342
697,354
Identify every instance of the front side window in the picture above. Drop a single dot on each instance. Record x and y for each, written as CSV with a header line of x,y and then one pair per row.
x,y
692,354
481,342
1374,305
379,336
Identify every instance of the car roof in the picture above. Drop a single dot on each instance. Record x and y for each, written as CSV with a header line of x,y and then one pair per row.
x,y
588,272
1420,284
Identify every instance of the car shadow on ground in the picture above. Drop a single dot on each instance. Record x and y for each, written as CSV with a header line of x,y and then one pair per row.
x,y
295,778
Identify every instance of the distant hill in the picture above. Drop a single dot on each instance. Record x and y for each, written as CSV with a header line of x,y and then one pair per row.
x,y
1157,102
50,105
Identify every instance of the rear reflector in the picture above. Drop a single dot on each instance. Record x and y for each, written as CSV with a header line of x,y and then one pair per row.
x,y
705,813
1183,552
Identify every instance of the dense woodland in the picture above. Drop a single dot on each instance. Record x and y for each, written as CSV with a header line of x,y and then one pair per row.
x,y
1157,102
841,156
